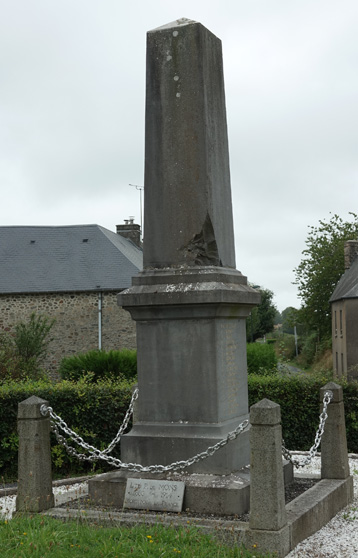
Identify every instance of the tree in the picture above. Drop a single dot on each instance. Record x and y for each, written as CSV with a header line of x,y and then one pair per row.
x,y
262,317
288,319
320,270
278,318
23,351
32,339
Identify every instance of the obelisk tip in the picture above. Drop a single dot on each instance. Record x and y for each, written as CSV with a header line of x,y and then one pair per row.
x,y
177,23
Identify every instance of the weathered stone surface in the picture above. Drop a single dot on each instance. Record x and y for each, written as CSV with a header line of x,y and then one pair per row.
x,y
189,303
334,464
192,386
265,412
206,494
149,494
34,492
316,507
267,495
188,214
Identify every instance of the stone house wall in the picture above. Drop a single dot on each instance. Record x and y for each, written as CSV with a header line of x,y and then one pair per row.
x,y
76,327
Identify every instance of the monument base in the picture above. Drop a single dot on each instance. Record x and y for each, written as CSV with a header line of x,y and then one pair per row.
x,y
162,444
204,493
192,371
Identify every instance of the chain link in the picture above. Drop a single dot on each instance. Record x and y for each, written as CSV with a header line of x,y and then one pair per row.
x,y
328,396
58,422
96,454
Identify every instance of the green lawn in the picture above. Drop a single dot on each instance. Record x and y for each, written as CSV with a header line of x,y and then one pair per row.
x,y
41,537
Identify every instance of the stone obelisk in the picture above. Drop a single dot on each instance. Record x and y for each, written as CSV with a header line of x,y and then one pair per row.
x,y
190,303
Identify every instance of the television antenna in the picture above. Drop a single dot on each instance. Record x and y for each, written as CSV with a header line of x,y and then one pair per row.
x,y
140,189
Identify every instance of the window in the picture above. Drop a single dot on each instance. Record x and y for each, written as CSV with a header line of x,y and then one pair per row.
x,y
341,323
335,323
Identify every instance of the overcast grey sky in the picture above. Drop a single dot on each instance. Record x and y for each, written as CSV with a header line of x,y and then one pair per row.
x,y
72,93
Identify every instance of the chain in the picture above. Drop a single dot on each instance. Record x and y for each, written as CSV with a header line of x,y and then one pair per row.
x,y
59,422
328,396
96,454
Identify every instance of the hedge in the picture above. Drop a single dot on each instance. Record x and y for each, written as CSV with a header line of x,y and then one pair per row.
x,y
96,411
93,410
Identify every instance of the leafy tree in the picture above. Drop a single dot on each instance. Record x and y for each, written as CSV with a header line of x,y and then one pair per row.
x,y
288,319
262,317
320,270
23,351
278,318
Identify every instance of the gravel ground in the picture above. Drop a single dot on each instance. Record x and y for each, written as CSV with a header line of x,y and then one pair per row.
x,y
338,539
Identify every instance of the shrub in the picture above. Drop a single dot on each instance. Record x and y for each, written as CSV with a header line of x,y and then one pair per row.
x,y
22,353
111,364
10,363
261,359
32,339
309,349
286,347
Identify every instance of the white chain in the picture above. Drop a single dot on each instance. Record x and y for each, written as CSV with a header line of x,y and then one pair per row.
x,y
328,396
59,422
96,454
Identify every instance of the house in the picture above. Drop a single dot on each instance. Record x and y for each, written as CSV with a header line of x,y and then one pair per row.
x,y
72,274
344,307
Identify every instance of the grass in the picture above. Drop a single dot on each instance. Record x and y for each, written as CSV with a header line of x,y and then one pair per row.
x,y
41,537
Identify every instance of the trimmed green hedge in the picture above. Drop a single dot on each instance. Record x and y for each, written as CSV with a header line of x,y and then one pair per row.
x,y
299,398
96,410
93,410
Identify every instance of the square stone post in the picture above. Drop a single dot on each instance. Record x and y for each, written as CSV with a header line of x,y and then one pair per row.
x,y
34,493
334,452
269,529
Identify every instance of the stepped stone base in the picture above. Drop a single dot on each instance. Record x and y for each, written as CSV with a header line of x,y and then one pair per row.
x,y
204,493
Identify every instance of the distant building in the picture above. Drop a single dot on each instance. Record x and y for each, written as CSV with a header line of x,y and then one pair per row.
x,y
344,307
72,274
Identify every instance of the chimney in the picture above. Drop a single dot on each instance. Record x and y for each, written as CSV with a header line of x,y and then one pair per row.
x,y
350,252
130,230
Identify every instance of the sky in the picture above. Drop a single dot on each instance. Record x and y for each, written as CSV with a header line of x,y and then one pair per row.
x,y
72,95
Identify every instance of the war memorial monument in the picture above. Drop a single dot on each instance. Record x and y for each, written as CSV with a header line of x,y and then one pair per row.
x,y
189,446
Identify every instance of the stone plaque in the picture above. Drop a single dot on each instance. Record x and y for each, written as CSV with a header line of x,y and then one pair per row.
x,y
160,495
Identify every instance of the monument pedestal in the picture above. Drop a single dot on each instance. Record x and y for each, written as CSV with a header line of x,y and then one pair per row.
x,y
204,493
192,373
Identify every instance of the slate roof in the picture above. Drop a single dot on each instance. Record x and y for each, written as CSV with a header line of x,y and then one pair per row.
x,y
66,259
347,286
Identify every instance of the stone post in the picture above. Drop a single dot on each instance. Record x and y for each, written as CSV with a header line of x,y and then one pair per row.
x,y
34,492
269,529
334,440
